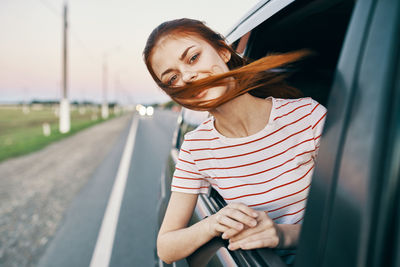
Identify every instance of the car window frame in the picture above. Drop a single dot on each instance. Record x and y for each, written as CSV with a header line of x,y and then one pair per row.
x,y
321,238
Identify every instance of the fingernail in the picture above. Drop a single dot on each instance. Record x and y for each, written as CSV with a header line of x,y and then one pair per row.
x,y
255,214
253,223
232,247
223,236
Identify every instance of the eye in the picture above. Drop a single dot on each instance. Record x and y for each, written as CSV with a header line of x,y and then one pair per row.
x,y
172,80
194,58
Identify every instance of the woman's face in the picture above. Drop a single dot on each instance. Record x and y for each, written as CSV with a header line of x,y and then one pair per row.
x,y
179,60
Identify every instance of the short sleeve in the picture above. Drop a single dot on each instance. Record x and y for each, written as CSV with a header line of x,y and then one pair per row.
x,y
317,119
187,178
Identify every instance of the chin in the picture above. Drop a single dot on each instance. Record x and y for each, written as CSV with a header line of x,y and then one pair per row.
x,y
214,93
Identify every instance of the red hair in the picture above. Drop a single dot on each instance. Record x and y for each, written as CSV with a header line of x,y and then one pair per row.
x,y
255,78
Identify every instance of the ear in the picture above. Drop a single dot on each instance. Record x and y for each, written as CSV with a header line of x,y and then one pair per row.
x,y
225,54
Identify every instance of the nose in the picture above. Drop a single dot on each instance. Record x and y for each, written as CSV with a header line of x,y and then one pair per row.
x,y
189,76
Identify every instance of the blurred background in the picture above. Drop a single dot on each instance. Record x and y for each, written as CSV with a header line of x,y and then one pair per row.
x,y
73,88
99,31
104,43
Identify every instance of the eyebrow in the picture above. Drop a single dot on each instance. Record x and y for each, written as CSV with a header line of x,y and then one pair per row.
x,y
180,58
185,52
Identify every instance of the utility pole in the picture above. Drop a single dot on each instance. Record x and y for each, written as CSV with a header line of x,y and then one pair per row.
x,y
65,120
116,94
104,106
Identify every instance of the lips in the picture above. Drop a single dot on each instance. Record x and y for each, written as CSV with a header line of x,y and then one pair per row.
x,y
201,94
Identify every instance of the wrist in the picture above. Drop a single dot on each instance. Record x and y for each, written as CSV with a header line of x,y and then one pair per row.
x,y
209,226
281,237
288,235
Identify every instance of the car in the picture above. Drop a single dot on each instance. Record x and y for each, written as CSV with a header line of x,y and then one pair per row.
x,y
143,110
352,216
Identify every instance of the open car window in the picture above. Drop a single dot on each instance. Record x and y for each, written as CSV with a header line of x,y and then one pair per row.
x,y
319,26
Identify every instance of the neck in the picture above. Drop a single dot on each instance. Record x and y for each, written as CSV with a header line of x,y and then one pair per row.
x,y
242,116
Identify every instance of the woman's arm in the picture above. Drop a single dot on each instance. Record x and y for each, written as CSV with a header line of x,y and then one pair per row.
x,y
176,241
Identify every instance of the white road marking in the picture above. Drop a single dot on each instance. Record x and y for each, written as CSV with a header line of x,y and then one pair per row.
x,y
105,240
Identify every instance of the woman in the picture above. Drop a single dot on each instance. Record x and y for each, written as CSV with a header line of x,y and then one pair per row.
x,y
257,152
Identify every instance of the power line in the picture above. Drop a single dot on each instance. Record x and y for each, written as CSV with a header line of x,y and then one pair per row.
x,y
51,8
83,47
74,35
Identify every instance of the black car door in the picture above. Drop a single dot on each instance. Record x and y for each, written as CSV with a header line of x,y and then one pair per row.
x,y
350,218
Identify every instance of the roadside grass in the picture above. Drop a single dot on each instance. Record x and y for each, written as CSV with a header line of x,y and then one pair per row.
x,y
22,133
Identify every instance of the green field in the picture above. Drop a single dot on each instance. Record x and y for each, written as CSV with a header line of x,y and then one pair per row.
x,y
22,132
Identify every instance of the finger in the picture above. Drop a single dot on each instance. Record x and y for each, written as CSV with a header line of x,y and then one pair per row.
x,y
222,228
245,209
265,243
253,245
226,221
230,232
245,233
264,239
264,224
239,216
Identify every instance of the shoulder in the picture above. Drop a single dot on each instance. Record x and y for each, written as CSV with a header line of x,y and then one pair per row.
x,y
305,103
288,103
202,133
291,108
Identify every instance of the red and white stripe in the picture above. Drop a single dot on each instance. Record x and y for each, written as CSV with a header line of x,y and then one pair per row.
x,y
270,170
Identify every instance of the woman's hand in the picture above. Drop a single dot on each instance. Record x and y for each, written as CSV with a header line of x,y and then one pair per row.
x,y
232,219
265,234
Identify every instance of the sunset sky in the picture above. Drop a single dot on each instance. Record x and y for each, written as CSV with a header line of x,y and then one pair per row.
x,y
31,45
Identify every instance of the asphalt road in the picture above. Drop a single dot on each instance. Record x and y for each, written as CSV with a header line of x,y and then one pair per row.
x,y
135,235
36,189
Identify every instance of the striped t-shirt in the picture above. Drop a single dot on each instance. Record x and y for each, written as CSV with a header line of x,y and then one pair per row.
x,y
270,170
